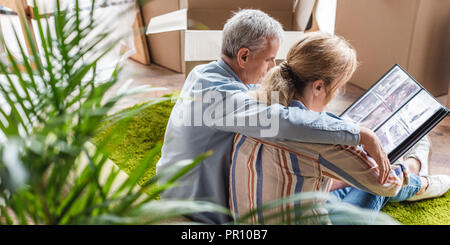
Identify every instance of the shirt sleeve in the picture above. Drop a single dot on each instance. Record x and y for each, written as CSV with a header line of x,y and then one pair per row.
x,y
235,111
354,166
351,165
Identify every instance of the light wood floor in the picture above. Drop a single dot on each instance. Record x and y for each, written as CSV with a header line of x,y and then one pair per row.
x,y
157,76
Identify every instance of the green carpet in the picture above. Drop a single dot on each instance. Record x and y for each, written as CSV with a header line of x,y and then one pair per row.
x,y
141,135
148,127
427,212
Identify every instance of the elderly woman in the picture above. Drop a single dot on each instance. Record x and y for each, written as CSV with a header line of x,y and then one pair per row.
x,y
265,170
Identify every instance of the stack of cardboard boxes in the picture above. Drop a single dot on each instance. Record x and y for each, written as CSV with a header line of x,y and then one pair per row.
x,y
184,33
412,33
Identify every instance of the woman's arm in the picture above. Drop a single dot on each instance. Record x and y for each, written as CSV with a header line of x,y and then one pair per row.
x,y
355,167
372,145
349,164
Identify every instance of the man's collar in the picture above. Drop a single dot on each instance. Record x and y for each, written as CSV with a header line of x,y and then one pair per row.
x,y
226,67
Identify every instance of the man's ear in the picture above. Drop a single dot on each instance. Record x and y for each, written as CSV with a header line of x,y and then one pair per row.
x,y
242,57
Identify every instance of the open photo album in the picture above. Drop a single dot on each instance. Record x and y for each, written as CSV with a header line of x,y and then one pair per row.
x,y
398,109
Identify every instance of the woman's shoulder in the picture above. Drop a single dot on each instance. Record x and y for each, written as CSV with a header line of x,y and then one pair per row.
x,y
297,103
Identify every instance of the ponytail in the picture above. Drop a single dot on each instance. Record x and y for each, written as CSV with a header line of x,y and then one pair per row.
x,y
317,56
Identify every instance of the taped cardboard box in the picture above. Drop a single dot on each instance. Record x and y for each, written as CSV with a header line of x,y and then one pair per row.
x,y
185,33
142,54
412,33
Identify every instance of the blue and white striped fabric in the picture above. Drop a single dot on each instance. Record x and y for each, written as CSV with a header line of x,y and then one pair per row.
x,y
264,171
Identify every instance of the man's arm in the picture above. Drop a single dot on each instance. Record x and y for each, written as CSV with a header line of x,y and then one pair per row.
x,y
233,110
241,113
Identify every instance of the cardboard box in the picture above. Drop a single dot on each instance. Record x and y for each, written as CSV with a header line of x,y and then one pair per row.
x,y
185,33
142,54
448,96
412,33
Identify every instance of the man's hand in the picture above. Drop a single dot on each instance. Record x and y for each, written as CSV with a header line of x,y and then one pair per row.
x,y
370,142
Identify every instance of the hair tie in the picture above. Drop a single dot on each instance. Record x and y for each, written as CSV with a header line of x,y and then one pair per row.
x,y
288,74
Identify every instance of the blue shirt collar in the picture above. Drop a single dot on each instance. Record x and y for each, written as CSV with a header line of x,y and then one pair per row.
x,y
298,103
221,63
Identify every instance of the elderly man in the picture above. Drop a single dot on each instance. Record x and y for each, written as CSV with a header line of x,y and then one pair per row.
x,y
200,121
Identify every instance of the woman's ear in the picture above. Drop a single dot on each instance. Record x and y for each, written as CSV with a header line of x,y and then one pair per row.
x,y
242,57
318,87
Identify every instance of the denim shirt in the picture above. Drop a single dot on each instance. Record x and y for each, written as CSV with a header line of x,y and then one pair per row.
x,y
300,105
208,89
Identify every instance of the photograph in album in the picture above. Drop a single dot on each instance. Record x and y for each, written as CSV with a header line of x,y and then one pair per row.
x,y
398,109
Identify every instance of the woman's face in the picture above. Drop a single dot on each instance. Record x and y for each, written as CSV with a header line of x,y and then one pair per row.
x,y
315,96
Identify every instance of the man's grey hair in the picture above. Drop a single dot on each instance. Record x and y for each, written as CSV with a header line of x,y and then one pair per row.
x,y
250,29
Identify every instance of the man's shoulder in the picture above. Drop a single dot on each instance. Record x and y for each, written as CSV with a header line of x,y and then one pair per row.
x,y
212,70
212,75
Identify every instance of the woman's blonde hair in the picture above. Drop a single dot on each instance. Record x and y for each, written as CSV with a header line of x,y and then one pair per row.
x,y
317,56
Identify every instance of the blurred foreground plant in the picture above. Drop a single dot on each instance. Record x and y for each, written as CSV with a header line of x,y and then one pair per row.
x,y
52,103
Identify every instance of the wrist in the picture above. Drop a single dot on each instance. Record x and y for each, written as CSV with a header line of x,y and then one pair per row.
x,y
365,135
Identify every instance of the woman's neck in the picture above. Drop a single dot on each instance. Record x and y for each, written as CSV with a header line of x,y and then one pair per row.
x,y
306,101
310,104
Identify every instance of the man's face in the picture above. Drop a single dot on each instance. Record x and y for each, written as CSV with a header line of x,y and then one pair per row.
x,y
261,62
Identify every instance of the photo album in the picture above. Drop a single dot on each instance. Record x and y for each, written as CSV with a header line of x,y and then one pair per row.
x,y
398,109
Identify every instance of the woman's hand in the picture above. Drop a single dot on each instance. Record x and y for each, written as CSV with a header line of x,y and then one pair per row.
x,y
370,142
